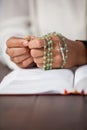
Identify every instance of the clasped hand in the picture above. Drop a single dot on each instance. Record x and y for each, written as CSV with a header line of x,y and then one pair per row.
x,y
26,54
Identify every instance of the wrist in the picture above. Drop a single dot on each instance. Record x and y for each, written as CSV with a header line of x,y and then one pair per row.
x,y
82,53
77,54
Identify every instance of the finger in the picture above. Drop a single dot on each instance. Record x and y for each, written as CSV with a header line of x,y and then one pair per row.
x,y
27,63
37,52
57,59
54,66
16,42
21,58
12,52
36,43
38,60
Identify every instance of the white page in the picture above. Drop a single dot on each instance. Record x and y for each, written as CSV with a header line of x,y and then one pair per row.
x,y
80,82
34,81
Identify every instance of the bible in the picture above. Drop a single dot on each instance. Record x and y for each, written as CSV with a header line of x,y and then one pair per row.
x,y
37,81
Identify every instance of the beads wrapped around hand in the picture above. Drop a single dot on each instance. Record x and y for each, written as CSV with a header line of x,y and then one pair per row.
x,y
48,47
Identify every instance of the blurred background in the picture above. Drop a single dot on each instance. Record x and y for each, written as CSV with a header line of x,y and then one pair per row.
x,y
39,17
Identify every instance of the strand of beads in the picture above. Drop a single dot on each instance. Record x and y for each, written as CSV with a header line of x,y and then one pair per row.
x,y
45,54
48,47
63,49
49,54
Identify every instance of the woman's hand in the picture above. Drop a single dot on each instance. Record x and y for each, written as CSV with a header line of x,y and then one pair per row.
x,y
19,52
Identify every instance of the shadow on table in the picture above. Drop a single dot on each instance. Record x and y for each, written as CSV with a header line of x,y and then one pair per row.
x,y
4,70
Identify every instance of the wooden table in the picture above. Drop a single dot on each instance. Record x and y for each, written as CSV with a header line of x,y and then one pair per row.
x,y
43,112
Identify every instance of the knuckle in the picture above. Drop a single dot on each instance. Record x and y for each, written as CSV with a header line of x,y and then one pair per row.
x,y
10,52
26,63
33,53
38,60
20,65
16,60
10,40
40,43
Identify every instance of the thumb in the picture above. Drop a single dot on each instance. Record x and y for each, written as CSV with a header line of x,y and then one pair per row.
x,y
16,42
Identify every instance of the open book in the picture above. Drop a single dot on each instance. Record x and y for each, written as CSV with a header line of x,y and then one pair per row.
x,y
37,81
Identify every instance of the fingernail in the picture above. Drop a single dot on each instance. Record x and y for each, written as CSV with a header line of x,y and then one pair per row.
x,y
25,43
